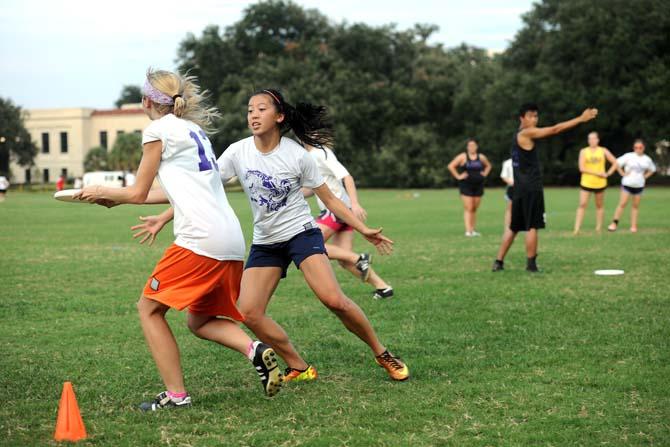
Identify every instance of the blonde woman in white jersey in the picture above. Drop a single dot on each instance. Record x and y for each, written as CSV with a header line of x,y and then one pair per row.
x,y
635,168
201,271
272,170
342,184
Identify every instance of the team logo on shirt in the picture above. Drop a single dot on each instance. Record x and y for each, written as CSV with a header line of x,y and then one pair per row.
x,y
267,191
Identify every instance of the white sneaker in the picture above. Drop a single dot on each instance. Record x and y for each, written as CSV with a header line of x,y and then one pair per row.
x,y
468,234
475,234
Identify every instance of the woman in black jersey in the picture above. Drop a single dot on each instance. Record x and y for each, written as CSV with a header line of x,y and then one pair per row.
x,y
474,169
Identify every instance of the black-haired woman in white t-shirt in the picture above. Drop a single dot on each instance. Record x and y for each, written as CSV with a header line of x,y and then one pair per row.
x,y
272,170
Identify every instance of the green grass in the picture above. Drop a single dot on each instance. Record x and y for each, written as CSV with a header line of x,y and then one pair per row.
x,y
561,358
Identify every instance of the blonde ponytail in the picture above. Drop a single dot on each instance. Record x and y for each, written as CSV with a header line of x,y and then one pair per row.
x,y
188,102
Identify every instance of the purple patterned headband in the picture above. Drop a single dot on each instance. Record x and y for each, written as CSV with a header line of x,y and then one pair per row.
x,y
156,95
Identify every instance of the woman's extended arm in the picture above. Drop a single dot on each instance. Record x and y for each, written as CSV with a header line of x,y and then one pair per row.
x,y
453,165
336,206
352,192
137,193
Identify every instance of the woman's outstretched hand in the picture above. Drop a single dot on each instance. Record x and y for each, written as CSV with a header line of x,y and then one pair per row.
x,y
148,230
383,244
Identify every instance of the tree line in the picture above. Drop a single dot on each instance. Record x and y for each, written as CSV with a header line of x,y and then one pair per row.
x,y
403,106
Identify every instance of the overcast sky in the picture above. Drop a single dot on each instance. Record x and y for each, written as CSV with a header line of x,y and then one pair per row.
x,y
80,53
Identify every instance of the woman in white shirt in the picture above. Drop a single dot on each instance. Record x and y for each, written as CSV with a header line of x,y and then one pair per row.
x,y
272,170
635,168
202,269
335,230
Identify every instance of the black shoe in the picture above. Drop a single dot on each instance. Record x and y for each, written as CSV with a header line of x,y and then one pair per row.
x,y
163,401
498,266
381,294
265,362
531,266
363,266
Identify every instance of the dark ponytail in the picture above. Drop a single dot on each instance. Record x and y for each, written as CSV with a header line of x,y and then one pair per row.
x,y
310,123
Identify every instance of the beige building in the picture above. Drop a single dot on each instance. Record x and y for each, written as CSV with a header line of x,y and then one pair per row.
x,y
64,136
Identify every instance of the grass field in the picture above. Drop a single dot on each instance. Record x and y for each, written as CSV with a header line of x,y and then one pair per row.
x,y
555,359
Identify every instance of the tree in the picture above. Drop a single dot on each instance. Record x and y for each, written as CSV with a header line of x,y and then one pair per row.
x,y
96,160
15,141
130,94
126,153
402,107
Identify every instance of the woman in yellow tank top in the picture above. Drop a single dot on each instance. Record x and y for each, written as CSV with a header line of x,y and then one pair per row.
x,y
594,179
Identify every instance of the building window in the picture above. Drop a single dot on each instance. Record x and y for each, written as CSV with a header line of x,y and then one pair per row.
x,y
28,176
63,172
63,142
45,176
103,139
120,132
45,143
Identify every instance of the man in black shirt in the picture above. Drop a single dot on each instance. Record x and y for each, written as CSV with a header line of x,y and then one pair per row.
x,y
528,197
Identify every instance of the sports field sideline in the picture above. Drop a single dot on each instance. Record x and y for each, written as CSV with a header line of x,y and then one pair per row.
x,y
559,358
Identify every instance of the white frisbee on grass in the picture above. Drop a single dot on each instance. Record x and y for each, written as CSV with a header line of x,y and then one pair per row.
x,y
66,195
609,272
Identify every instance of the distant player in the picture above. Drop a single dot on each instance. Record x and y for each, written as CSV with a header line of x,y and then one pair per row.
x,y
594,179
507,176
341,235
635,168
4,186
528,201
474,169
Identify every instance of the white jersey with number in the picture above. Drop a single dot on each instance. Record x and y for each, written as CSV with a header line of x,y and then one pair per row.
x,y
204,222
272,182
635,166
333,172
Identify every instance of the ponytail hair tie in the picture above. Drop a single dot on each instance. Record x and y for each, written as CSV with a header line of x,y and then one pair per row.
x,y
174,98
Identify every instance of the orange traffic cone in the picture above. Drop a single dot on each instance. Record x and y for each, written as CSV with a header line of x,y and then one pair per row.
x,y
69,425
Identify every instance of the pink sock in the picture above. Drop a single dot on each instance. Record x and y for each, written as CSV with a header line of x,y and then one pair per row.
x,y
252,349
172,395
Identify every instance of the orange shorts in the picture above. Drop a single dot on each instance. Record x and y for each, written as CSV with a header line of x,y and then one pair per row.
x,y
206,286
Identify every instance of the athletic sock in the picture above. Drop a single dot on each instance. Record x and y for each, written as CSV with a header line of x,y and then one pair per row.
x,y
177,396
251,350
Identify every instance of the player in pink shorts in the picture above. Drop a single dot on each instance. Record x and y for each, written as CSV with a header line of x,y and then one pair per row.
x,y
337,232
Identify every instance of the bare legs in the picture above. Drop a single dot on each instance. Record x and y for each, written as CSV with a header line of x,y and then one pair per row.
x,y
258,285
581,209
341,250
163,345
470,205
321,279
634,211
508,239
508,215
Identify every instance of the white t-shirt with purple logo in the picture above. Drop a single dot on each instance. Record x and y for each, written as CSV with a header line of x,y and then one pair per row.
x,y
635,166
272,182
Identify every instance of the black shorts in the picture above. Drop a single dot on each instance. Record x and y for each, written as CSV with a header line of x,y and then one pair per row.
x,y
471,189
527,211
296,249
632,191
596,190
